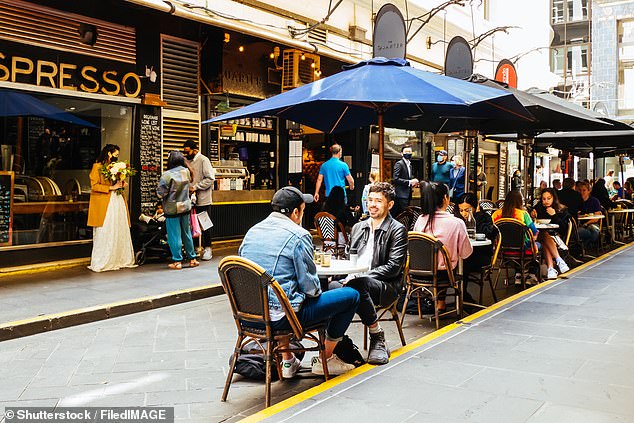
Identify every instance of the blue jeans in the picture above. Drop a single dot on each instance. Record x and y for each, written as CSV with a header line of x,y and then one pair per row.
x,y
588,234
338,306
179,231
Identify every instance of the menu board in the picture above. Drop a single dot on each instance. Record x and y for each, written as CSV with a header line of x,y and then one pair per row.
x,y
6,203
214,143
503,172
149,158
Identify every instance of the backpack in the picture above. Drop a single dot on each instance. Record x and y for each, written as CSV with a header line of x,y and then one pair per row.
x,y
250,362
348,352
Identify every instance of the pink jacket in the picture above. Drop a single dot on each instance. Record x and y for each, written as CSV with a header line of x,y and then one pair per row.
x,y
452,232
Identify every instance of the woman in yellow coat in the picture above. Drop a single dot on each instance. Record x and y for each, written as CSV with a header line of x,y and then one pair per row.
x,y
108,215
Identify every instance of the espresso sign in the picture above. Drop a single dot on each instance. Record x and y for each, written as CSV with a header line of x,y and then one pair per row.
x,y
389,38
458,60
506,73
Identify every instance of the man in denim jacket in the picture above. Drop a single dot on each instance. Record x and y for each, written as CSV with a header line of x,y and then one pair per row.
x,y
285,250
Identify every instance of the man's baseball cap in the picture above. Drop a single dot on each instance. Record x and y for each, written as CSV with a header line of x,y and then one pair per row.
x,y
443,152
287,199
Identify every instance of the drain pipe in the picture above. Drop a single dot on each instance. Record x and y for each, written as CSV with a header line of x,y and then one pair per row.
x,y
173,8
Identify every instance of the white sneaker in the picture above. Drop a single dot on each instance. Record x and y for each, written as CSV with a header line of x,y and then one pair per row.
x,y
290,368
552,273
518,279
563,267
207,255
335,366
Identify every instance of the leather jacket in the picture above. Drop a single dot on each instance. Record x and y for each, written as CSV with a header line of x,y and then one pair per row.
x,y
390,250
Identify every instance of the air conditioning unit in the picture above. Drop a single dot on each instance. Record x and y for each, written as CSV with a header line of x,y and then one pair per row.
x,y
299,68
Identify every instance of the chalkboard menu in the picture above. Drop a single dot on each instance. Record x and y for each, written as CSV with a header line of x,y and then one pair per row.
x,y
503,172
214,143
149,158
6,203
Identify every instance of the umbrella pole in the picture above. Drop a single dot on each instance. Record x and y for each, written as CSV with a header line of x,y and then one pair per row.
x,y
381,145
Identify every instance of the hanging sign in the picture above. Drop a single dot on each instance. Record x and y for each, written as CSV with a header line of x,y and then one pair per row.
x,y
389,38
458,60
506,73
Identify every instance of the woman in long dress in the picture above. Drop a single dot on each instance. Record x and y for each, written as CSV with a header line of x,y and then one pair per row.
x,y
109,217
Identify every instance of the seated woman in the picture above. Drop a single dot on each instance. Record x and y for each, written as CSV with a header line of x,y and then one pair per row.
x,y
513,209
468,205
600,192
450,230
549,207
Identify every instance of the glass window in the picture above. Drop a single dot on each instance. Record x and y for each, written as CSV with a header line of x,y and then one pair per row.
x,y
626,67
52,159
558,11
577,60
577,10
557,60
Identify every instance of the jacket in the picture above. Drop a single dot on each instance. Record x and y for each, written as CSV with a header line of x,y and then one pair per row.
x,y
401,178
174,190
285,250
99,197
390,249
457,182
203,179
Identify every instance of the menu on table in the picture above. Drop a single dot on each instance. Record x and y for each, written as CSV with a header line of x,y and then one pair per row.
x,y
6,203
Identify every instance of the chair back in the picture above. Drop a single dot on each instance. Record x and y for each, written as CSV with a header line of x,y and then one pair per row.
x,y
513,234
328,229
499,204
451,207
424,251
409,216
487,206
247,287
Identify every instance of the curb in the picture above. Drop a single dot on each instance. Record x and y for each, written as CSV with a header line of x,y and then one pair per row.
x,y
50,322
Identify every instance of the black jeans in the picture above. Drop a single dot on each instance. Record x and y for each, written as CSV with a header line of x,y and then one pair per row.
x,y
207,233
372,293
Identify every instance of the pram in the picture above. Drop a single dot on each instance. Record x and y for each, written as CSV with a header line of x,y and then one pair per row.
x,y
150,241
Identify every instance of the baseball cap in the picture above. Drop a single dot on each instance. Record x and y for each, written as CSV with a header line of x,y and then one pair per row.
x,y
289,198
443,152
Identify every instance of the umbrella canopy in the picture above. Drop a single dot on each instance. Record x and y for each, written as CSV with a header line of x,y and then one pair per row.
x,y
13,103
402,95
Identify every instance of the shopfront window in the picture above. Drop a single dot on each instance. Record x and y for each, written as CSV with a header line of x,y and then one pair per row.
x,y
51,160
576,62
626,67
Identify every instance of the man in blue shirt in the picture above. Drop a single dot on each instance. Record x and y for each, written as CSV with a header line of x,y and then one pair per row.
x,y
285,250
589,229
334,172
441,169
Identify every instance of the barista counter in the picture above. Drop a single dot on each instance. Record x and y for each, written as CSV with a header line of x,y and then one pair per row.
x,y
234,212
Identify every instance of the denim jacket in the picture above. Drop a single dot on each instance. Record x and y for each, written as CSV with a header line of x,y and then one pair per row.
x,y
285,250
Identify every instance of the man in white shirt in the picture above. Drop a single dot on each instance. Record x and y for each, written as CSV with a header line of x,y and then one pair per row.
x,y
202,184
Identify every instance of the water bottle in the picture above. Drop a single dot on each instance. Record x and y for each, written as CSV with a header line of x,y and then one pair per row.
x,y
471,226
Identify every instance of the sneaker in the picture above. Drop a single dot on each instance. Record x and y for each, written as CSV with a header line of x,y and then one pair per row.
x,y
563,267
207,255
378,353
290,368
518,279
336,366
552,273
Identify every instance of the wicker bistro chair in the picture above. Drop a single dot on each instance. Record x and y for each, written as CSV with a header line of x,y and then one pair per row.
x,y
333,235
247,286
451,207
487,206
409,216
499,203
511,250
422,277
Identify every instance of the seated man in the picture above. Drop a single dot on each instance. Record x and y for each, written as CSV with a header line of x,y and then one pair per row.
x,y
381,243
285,250
589,229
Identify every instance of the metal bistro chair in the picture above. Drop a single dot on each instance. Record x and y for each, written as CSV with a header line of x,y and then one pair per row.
x,y
512,251
391,308
332,233
247,287
422,277
451,207
409,216
499,203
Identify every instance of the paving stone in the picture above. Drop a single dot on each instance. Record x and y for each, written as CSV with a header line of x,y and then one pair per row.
x,y
565,414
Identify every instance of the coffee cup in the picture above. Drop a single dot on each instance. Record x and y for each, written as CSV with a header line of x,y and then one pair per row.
x,y
480,237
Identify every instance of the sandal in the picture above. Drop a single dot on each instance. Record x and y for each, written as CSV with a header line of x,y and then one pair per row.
x,y
194,263
175,266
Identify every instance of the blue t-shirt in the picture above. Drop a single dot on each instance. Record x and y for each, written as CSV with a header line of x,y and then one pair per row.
x,y
335,172
591,205
441,172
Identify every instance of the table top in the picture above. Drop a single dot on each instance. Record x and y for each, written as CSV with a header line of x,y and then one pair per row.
x,y
620,210
341,267
546,225
596,216
479,243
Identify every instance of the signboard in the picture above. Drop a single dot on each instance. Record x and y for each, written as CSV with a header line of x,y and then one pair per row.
x,y
503,172
149,157
506,73
6,204
458,60
389,37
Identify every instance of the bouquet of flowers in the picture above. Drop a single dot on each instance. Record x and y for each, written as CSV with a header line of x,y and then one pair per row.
x,y
118,171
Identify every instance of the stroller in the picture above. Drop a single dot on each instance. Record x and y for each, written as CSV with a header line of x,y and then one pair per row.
x,y
150,241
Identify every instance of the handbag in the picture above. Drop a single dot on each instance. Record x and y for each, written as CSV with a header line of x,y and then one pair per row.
x,y
193,219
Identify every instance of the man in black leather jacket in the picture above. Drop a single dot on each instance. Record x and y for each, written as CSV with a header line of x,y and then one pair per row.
x,y
381,244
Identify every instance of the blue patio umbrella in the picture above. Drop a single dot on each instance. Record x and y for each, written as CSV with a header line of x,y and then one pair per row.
x,y
385,92
13,103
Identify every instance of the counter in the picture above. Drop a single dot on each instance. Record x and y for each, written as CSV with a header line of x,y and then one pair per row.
x,y
238,211
242,196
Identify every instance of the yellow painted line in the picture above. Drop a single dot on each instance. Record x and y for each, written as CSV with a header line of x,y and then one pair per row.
x,y
68,313
329,384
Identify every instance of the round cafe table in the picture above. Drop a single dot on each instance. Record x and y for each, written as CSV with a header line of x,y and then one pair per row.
x,y
546,226
591,217
338,267
474,243
613,213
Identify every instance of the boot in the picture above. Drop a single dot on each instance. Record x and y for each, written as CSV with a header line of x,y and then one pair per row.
x,y
378,353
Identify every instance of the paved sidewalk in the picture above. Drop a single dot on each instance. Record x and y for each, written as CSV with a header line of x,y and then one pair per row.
x,y
27,296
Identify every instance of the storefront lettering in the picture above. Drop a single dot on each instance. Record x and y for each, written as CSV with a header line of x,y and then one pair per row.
x,y
243,78
60,76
